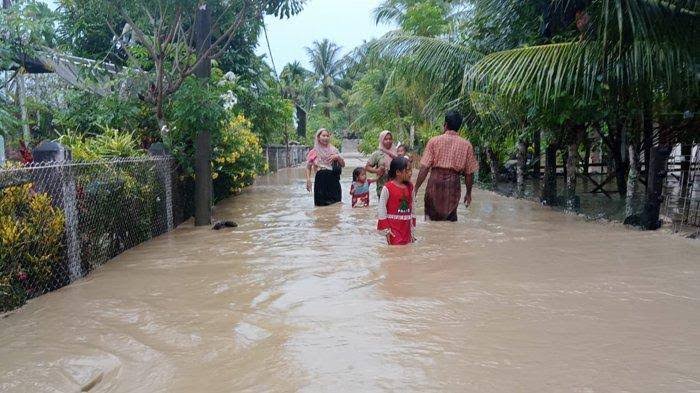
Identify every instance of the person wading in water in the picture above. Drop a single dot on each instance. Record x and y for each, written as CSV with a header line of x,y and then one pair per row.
x,y
325,160
447,157
380,160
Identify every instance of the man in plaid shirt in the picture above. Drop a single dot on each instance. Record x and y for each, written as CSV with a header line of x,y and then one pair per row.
x,y
447,157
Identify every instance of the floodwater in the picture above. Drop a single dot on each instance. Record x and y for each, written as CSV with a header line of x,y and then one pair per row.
x,y
514,297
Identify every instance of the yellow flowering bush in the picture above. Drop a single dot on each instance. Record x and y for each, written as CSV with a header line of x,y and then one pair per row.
x,y
31,234
237,157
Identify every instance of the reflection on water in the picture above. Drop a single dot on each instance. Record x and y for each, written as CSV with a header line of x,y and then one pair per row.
x,y
513,297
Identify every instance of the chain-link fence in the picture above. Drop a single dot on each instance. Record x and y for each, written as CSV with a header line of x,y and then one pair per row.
x,y
280,156
682,188
60,220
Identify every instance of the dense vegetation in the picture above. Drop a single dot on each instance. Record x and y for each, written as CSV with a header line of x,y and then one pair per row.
x,y
547,78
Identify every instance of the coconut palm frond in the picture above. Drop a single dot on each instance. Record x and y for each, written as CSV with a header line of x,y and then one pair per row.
x,y
622,22
388,12
549,69
443,62
325,58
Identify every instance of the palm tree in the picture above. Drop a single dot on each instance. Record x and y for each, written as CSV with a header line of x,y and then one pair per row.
x,y
621,52
621,43
624,51
327,64
297,85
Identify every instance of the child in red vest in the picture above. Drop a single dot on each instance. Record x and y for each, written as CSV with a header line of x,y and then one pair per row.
x,y
396,215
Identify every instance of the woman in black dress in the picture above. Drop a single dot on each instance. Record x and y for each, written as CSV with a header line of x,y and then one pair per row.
x,y
325,160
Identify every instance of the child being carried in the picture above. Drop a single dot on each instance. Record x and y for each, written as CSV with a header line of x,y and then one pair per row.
x,y
359,190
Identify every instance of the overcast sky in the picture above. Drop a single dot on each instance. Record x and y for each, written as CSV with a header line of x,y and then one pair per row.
x,y
345,22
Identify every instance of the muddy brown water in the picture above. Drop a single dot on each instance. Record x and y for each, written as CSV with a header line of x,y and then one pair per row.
x,y
514,297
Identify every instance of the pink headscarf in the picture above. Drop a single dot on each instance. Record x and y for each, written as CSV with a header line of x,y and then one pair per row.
x,y
320,155
389,154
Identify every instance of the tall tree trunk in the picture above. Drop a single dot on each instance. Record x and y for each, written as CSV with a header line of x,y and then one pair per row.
x,y
537,153
630,200
522,161
549,195
564,160
327,104
493,164
203,181
301,123
648,126
573,158
22,98
619,161
571,163
658,158
586,155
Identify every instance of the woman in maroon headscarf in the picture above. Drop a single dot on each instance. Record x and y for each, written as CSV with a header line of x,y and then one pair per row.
x,y
325,160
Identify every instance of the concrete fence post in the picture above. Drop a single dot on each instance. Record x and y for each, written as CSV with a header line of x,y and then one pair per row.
x,y
65,197
2,150
164,173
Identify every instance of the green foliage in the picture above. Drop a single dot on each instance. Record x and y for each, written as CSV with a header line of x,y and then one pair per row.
x,y
110,143
31,233
82,29
335,124
271,116
90,113
25,27
237,152
8,122
188,119
419,17
426,18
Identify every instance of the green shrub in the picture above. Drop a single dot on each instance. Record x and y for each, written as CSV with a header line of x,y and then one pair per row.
x,y
111,143
237,158
31,234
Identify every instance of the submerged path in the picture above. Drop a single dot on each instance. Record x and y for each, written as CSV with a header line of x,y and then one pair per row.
x,y
514,297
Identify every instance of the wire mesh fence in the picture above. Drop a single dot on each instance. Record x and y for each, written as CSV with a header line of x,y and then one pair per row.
x,y
61,220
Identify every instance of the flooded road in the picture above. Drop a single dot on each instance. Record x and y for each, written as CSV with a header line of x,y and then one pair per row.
x,y
514,297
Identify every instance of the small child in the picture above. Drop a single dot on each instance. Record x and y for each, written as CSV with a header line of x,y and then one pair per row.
x,y
396,216
360,187
402,151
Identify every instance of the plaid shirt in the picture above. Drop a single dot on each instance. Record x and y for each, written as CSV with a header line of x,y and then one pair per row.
x,y
450,151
